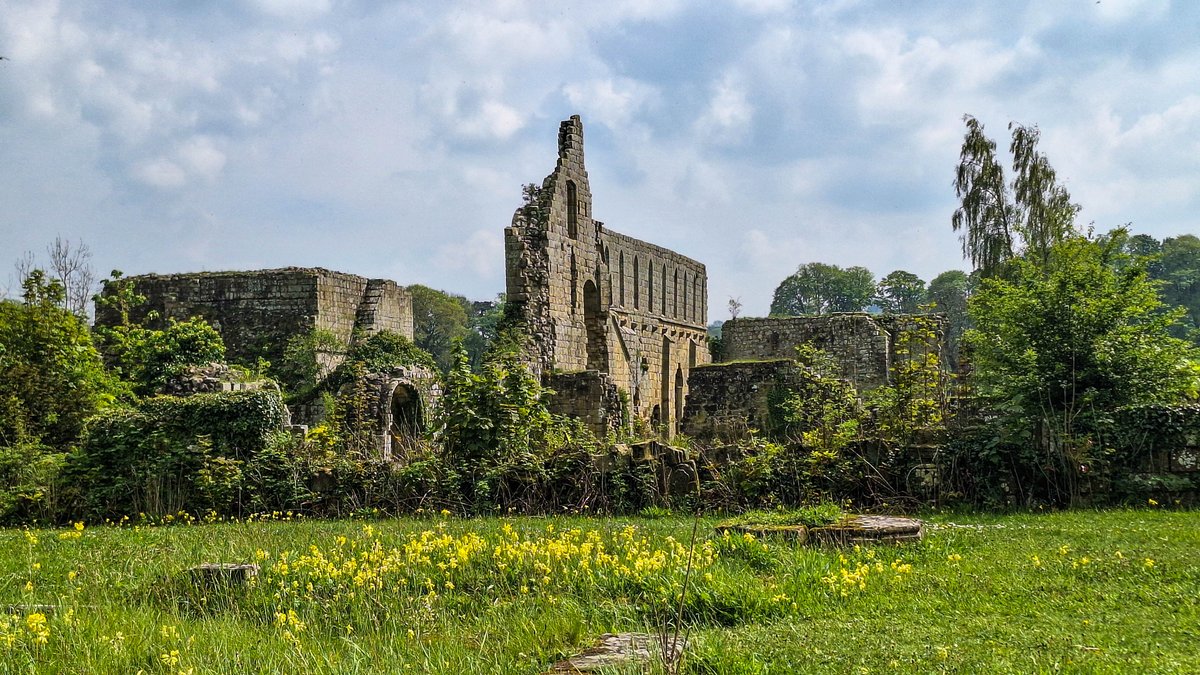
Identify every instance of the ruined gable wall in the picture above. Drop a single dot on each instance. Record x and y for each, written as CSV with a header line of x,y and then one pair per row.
x,y
552,251
257,312
587,306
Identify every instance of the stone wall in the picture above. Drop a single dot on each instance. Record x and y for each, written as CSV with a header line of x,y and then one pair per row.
x,y
594,299
257,312
863,345
727,400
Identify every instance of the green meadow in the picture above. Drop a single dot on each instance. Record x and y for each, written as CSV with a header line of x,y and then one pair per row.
x,y
1077,591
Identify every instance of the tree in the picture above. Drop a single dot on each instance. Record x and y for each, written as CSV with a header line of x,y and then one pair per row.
x,y
1179,269
999,221
439,321
1059,348
948,292
70,264
817,288
900,292
51,376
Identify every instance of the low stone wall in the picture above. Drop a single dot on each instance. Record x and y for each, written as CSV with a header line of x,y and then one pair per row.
x,y
863,345
589,396
726,400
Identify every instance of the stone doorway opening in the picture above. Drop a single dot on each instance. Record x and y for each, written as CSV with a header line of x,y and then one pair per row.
x,y
593,318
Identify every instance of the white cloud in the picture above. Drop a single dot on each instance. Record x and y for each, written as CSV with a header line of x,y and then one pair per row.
x,y
160,173
201,156
729,113
481,254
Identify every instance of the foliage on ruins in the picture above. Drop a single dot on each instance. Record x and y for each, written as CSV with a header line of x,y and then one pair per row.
x,y
172,453
378,353
144,357
818,288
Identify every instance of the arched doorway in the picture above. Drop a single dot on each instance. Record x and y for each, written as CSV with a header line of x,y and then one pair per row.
x,y
593,318
405,419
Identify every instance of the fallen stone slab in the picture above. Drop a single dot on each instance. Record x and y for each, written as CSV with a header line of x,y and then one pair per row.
x,y
794,533
619,649
853,530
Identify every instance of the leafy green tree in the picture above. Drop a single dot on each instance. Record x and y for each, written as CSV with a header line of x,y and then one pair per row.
x,y
146,357
1060,347
817,288
999,221
948,292
900,292
483,329
439,321
1179,268
51,376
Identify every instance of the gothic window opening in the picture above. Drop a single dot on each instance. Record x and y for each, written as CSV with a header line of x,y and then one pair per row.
x,y
621,276
637,283
663,292
650,285
574,285
572,210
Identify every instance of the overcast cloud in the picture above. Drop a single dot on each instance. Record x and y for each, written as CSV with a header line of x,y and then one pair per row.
x,y
391,139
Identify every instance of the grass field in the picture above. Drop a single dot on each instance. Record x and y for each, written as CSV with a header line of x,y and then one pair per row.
x,y
1085,591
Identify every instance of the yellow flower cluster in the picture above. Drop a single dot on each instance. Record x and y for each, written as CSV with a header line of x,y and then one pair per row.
x,y
432,562
856,573
15,631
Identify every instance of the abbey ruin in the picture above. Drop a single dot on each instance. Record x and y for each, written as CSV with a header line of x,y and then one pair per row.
x,y
616,326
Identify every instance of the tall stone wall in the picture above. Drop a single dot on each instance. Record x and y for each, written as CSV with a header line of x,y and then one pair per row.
x,y
863,345
257,312
594,299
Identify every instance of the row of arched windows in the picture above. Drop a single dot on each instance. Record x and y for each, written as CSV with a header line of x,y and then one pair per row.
x,y
681,293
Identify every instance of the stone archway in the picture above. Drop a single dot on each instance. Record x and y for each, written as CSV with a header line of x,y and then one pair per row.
x,y
405,420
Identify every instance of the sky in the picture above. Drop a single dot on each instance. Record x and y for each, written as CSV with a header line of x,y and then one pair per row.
x,y
391,139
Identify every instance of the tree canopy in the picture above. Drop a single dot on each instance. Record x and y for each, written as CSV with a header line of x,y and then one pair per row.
x,y
900,292
817,288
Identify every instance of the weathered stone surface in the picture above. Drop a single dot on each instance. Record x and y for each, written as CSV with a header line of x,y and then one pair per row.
x,y
729,399
222,574
863,346
593,299
256,312
869,530
616,650
590,396
210,378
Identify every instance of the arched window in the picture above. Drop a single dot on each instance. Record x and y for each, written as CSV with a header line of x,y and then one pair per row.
x,y
649,285
572,210
675,297
621,276
663,292
696,298
574,285
685,302
637,282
